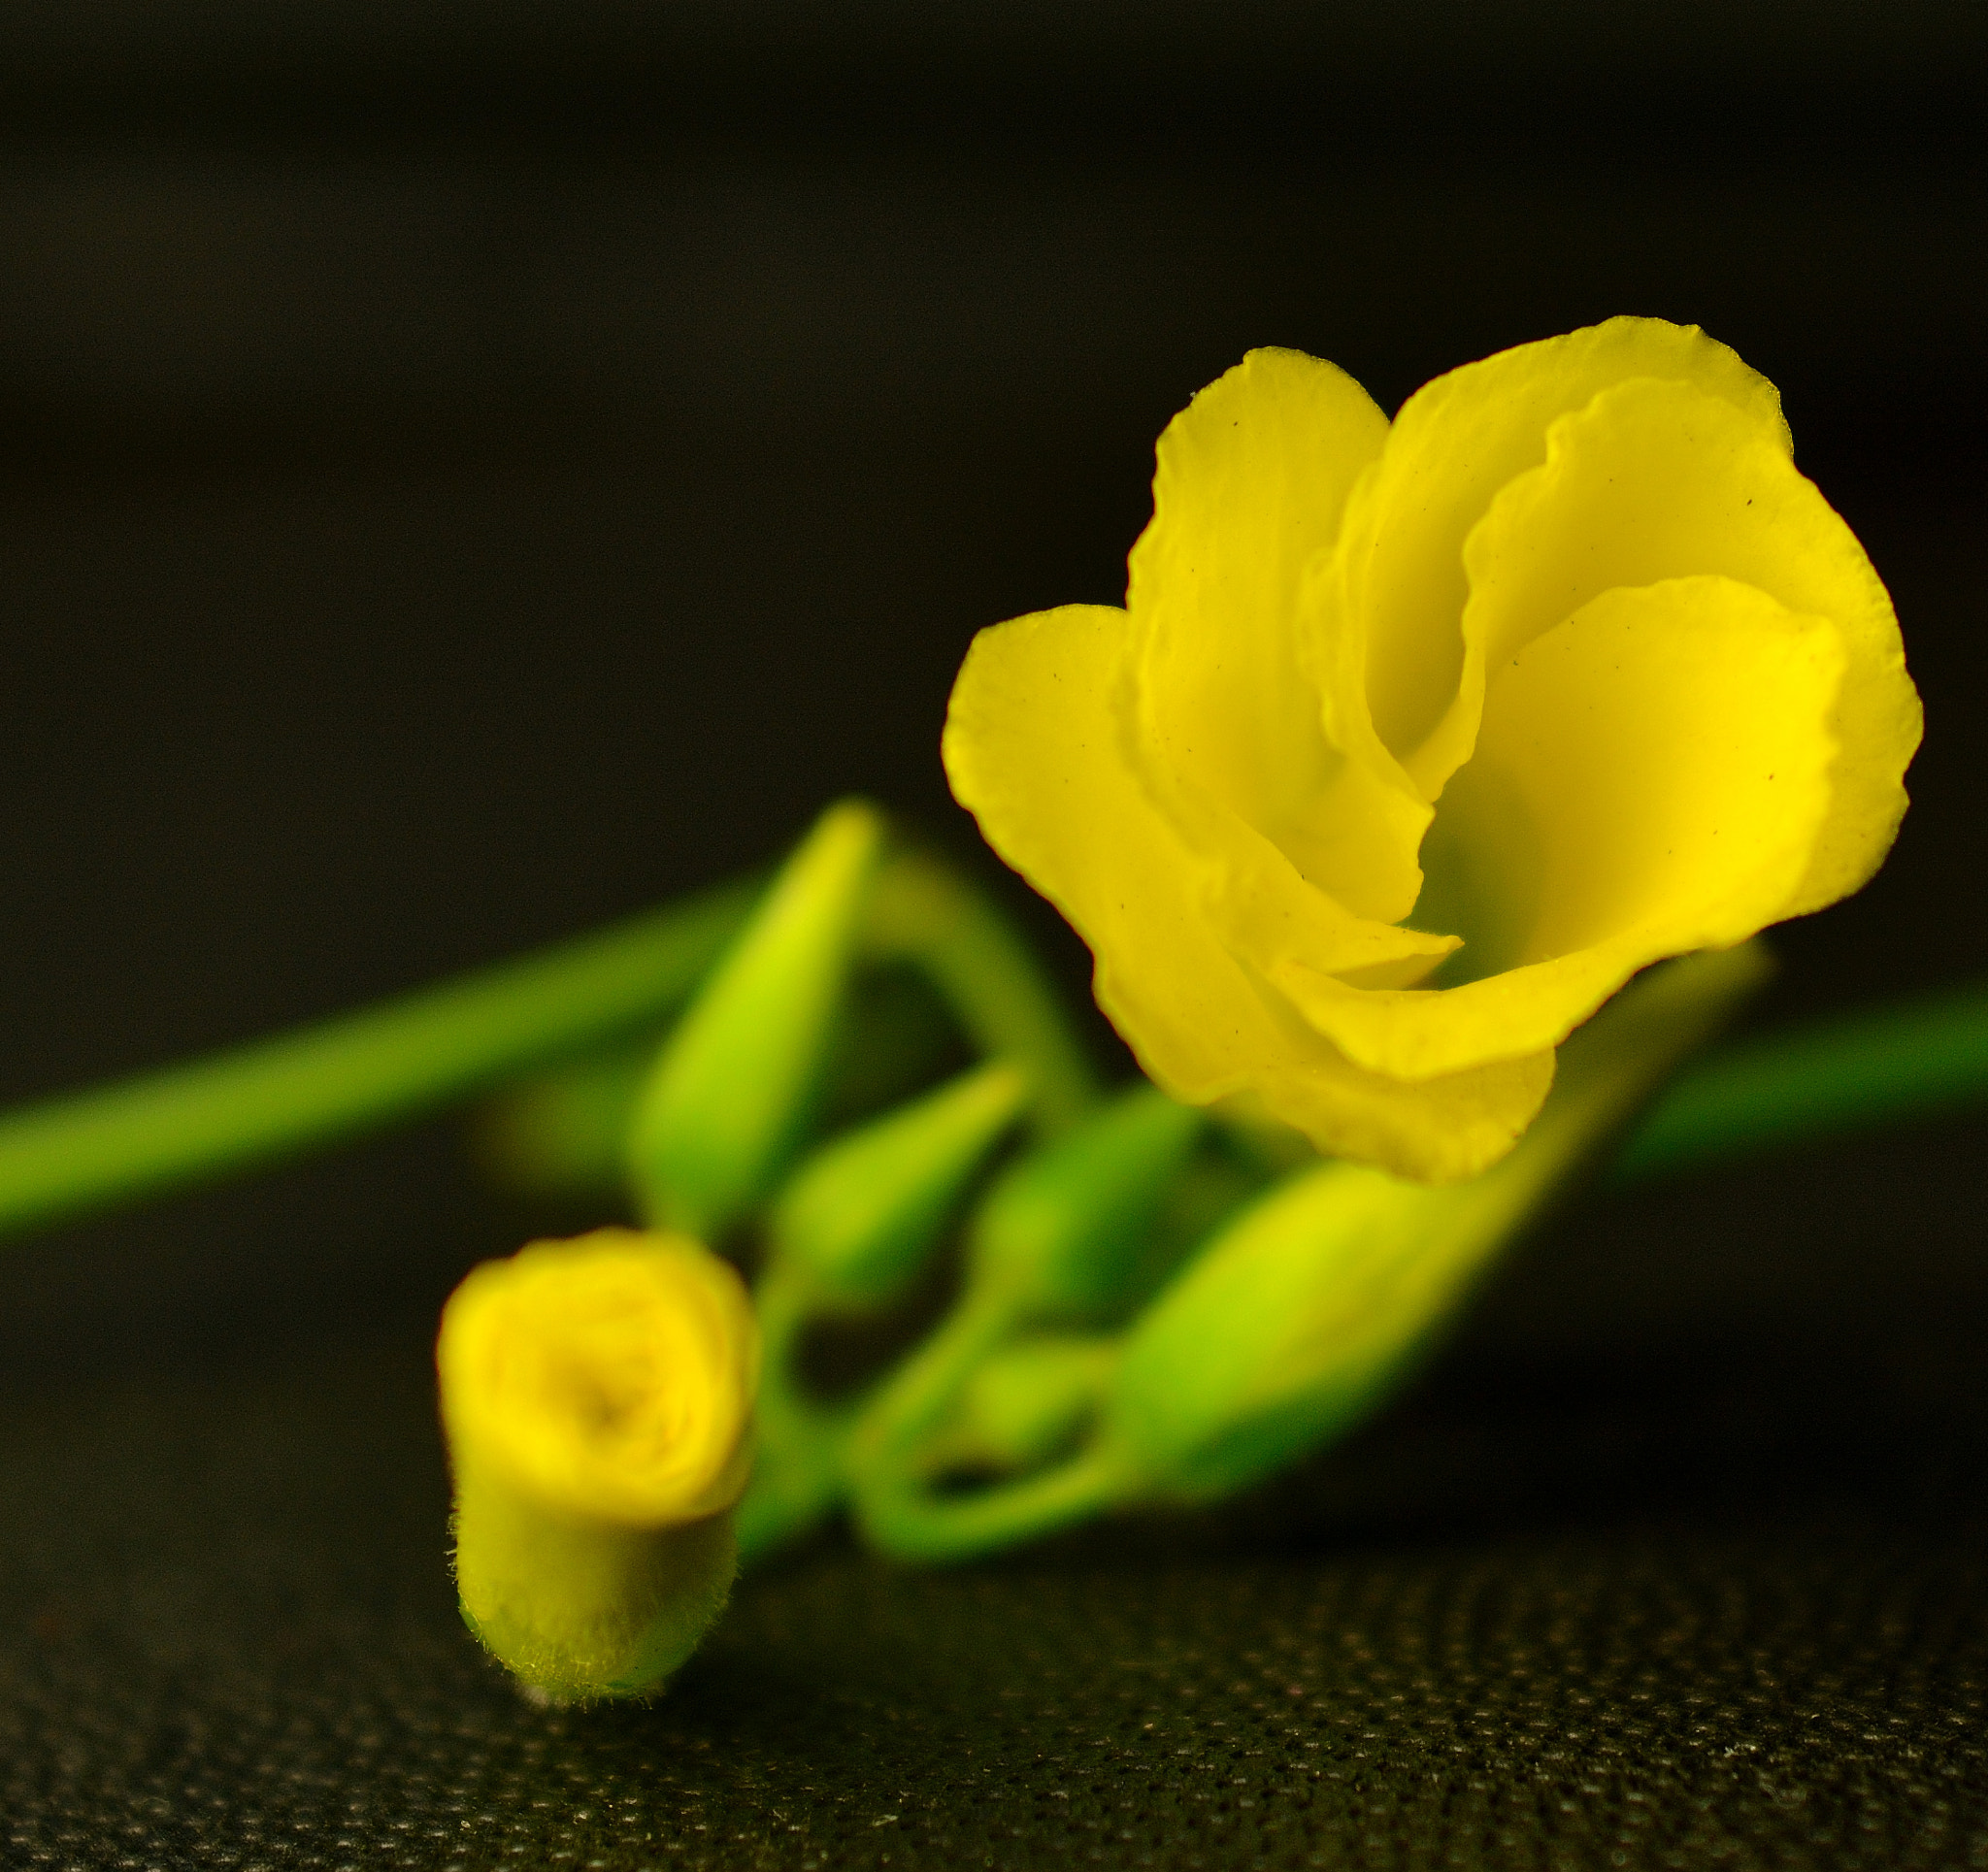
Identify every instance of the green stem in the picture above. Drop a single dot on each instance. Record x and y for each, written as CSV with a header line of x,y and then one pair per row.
x,y
273,1098
920,1393
912,1523
1851,1072
920,910
900,1514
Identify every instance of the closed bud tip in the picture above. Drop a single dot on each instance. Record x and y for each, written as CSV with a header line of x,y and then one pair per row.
x,y
731,1089
1065,1233
861,1214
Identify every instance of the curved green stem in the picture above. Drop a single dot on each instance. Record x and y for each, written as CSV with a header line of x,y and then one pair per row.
x,y
273,1098
913,1524
921,910
920,1393
900,1512
1853,1072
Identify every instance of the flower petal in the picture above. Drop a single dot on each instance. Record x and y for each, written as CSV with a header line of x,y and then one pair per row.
x,y
1454,444
1657,481
609,1378
1034,749
1250,482
1652,778
1439,1130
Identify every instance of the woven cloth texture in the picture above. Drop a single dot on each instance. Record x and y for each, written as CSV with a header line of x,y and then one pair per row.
x,y
1718,1612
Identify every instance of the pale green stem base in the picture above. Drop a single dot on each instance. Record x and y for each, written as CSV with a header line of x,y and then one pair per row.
x,y
578,1609
910,1523
898,1510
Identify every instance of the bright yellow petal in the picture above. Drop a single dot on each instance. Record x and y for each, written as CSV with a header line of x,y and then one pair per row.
x,y
608,1378
1657,481
1672,747
1456,443
1033,748
1033,753
1440,1129
1252,480
1652,778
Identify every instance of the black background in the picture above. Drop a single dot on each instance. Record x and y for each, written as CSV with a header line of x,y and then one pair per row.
x,y
466,472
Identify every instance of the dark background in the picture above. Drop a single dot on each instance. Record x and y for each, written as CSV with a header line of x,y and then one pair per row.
x,y
470,471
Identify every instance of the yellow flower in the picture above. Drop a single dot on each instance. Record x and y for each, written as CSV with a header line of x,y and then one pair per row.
x,y
597,1400
1414,741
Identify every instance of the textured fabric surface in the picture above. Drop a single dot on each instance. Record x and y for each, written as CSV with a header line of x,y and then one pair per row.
x,y
1694,1616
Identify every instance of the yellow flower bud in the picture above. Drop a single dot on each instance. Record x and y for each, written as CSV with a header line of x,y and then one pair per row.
x,y
861,1215
597,1396
1414,741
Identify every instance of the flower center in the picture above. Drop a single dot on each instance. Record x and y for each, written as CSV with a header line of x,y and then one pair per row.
x,y
1482,877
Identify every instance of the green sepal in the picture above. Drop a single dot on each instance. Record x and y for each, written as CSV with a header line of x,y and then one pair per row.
x,y
1066,1234
861,1215
580,1609
732,1089
1297,1319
